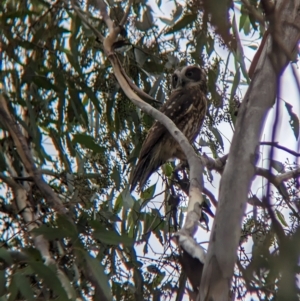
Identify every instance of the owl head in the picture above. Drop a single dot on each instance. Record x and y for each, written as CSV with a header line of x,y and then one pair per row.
x,y
188,76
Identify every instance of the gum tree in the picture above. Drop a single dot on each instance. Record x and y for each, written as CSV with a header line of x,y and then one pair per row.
x,y
81,83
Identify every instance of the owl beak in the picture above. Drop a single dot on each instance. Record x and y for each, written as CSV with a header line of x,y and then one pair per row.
x,y
180,83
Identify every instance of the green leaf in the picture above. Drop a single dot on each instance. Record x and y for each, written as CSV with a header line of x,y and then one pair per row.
x,y
218,137
178,11
88,142
166,21
3,282
66,226
294,120
281,218
2,162
5,255
57,141
168,169
112,238
182,23
24,286
242,21
246,26
96,269
235,84
76,104
254,47
49,275
116,176
159,278
148,193
118,204
128,201
43,82
210,43
277,166
13,290
50,233
147,20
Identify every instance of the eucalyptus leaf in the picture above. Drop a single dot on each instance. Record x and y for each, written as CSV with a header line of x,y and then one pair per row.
x,y
186,20
88,142
294,120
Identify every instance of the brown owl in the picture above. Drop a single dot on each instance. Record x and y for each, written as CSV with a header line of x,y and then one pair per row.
x,y
186,107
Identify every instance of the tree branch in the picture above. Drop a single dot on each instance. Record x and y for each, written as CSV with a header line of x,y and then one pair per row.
x,y
26,157
240,167
196,167
275,144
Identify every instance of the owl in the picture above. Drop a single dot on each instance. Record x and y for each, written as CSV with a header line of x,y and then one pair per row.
x,y
186,107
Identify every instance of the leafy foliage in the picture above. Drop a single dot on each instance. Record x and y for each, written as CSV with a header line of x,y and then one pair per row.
x,y
85,137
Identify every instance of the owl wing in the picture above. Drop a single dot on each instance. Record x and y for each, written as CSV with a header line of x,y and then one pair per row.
x,y
177,108
178,105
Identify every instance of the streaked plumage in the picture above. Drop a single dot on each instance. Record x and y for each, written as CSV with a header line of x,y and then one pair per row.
x,y
186,106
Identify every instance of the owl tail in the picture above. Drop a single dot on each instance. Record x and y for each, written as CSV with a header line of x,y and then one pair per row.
x,y
143,170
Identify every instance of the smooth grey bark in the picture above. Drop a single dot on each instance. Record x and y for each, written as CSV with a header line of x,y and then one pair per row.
x,y
240,167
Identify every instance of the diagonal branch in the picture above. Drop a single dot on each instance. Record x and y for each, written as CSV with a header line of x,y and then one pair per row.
x,y
184,237
275,144
196,166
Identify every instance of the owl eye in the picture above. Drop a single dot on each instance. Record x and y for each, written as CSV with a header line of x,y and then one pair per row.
x,y
175,78
189,74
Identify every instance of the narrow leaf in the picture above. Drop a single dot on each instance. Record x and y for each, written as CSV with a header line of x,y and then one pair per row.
x,y
281,218
95,267
49,275
294,120
24,286
277,166
88,142
112,238
183,23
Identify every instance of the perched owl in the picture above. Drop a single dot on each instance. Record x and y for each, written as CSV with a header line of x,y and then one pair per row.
x,y
186,107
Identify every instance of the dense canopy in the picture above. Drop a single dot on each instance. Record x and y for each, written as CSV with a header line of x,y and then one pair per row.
x,y
70,138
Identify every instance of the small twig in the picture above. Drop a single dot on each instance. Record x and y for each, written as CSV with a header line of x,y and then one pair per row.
x,y
275,144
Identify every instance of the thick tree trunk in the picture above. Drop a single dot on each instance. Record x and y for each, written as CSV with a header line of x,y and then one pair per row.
x,y
240,167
